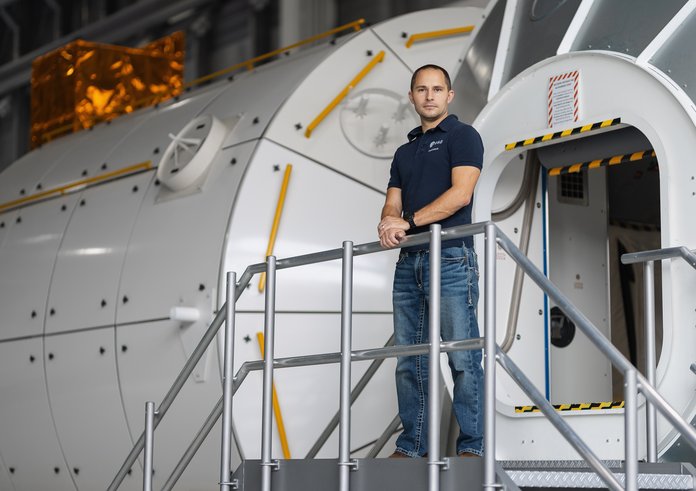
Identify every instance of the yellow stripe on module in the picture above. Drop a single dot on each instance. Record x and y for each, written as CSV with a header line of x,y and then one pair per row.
x,y
615,160
587,127
76,185
276,221
276,408
575,168
595,164
547,137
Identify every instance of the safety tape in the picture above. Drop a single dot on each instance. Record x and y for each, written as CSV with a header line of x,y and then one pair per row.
x,y
580,406
564,133
595,164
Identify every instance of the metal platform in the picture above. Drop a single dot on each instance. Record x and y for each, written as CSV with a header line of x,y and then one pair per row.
x,y
460,474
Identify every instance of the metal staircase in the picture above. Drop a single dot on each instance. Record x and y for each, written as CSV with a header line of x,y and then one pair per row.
x,y
433,473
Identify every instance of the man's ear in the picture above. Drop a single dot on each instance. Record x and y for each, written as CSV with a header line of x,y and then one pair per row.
x,y
450,96
410,97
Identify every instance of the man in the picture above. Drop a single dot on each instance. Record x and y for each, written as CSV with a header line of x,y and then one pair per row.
x,y
432,181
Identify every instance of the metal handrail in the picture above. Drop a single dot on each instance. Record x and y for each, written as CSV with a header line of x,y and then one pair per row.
x,y
648,259
660,254
635,381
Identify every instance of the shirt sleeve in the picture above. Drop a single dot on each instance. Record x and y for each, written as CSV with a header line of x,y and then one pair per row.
x,y
394,176
466,147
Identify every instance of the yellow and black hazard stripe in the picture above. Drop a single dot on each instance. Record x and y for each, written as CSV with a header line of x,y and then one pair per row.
x,y
594,164
562,134
580,406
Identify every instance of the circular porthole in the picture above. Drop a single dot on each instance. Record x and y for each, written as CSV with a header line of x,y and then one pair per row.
x,y
190,153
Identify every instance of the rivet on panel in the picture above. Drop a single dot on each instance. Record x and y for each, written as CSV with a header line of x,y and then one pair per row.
x,y
157,182
276,168
540,312
82,202
52,312
50,356
332,42
538,205
102,350
19,220
103,303
12,470
63,208
84,173
230,78
2,224
156,150
124,348
33,314
298,126
233,161
404,35
22,192
39,186
75,469
57,469
130,471
369,52
247,339
201,287
32,358
125,299
135,189
255,120
104,166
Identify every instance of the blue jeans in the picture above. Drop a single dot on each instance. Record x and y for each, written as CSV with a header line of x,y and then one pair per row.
x,y
459,297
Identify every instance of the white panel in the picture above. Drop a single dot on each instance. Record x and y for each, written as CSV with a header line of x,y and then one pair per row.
x,y
528,348
26,261
271,85
578,266
5,482
85,281
309,396
85,158
149,140
322,209
25,173
174,253
150,356
87,409
27,437
327,143
447,52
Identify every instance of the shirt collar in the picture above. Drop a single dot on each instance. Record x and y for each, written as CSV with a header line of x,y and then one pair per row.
x,y
444,125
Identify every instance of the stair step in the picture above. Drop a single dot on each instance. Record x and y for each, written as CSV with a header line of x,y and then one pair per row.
x,y
460,474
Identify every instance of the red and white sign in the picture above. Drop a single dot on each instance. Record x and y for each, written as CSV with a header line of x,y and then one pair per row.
x,y
563,98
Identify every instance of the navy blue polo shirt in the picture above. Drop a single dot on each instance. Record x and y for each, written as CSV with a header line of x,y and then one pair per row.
x,y
422,169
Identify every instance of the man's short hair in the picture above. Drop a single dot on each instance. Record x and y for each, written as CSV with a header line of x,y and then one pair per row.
x,y
430,66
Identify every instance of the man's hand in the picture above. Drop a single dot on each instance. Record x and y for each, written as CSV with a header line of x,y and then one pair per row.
x,y
392,231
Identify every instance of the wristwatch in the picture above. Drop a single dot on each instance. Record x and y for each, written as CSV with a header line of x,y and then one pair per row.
x,y
408,216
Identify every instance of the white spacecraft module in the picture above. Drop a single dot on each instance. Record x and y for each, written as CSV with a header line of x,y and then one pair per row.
x,y
106,287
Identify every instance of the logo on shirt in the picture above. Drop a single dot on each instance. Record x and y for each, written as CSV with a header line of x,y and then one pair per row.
x,y
434,145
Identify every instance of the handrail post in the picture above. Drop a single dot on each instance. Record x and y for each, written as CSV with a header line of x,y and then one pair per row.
x,y
490,355
227,379
631,430
650,412
267,412
346,348
434,361
149,444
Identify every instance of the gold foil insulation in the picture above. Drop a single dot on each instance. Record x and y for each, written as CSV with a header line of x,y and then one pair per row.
x,y
84,83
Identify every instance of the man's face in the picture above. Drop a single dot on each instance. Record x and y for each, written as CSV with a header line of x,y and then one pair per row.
x,y
429,95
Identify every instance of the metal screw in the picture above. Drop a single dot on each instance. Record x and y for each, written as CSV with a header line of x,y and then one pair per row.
x,y
103,303
157,182
404,35
276,168
135,189
298,126
255,120
516,230
50,356
124,348
125,299
101,350
82,202
369,52
76,470
201,287
39,186
12,470
63,208
33,314
156,150
518,337
57,469
233,161
19,220
84,173
103,167
22,192
540,312
538,205
32,359
52,312
2,224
